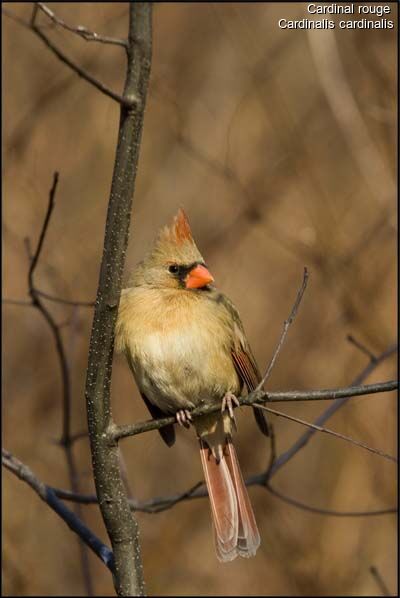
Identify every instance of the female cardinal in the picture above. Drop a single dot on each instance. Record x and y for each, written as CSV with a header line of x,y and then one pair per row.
x,y
186,347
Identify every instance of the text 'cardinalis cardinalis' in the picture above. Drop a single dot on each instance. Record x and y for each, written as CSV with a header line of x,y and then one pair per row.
x,y
186,346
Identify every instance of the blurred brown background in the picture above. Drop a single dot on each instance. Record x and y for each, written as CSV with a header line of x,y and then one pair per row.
x,y
281,146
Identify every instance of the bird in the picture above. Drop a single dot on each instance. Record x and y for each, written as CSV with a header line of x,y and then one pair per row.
x,y
186,347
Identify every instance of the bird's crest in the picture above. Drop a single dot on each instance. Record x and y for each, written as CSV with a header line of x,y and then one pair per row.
x,y
174,244
179,231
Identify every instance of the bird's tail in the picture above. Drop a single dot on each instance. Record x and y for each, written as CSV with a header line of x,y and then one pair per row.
x,y
235,527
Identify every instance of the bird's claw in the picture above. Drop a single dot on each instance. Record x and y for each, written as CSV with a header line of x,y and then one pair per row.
x,y
183,418
227,404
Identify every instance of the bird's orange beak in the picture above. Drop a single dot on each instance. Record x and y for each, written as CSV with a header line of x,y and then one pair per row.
x,y
198,277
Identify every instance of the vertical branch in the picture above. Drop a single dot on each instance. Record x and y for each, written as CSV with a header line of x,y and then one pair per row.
x,y
121,526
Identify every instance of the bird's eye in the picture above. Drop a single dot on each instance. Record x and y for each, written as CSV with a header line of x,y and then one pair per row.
x,y
173,269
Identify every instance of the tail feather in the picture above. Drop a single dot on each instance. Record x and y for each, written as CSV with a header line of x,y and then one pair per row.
x,y
235,528
248,534
223,503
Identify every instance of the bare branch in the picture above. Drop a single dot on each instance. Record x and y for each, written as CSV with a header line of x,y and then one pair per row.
x,y
272,457
47,494
162,503
35,10
362,347
19,302
327,431
50,298
28,249
157,505
83,499
379,580
66,392
46,221
199,490
65,301
286,328
319,511
363,375
118,432
121,526
329,412
153,505
65,377
83,32
127,101
15,18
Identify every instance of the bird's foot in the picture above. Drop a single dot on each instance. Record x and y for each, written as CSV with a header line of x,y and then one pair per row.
x,y
183,418
227,405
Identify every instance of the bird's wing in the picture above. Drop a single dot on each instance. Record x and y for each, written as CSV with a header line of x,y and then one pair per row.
x,y
167,433
243,359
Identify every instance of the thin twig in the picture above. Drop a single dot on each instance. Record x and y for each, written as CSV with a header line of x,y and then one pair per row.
x,y
272,457
65,301
83,32
35,11
15,18
48,317
36,255
362,347
117,432
83,499
47,494
157,505
28,249
73,476
128,102
199,490
153,505
65,377
19,302
328,431
50,298
285,328
380,581
330,411
319,511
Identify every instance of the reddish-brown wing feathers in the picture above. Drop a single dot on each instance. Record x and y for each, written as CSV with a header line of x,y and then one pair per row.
x,y
242,356
243,360
248,372
246,368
